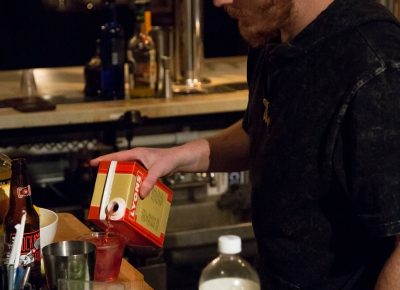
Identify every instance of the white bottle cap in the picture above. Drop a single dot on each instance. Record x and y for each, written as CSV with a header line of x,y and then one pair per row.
x,y
229,244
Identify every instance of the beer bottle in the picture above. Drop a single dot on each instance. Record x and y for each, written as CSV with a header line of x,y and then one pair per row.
x,y
20,200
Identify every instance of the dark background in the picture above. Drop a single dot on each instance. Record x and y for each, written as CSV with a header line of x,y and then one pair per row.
x,y
35,33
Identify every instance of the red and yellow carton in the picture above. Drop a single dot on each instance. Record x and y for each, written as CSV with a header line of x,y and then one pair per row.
x,y
141,221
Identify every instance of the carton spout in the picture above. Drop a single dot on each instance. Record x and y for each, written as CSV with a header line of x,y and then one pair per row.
x,y
116,209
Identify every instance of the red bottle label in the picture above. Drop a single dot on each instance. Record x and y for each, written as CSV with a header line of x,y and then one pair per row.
x,y
24,191
30,248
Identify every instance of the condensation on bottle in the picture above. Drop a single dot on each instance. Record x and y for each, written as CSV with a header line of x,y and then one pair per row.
x,y
229,271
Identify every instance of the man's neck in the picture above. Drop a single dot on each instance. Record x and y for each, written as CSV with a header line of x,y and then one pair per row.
x,y
304,12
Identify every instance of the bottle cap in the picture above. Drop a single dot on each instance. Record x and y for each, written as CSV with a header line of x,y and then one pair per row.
x,y
229,244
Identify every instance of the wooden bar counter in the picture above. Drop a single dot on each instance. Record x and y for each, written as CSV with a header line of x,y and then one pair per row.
x,y
69,228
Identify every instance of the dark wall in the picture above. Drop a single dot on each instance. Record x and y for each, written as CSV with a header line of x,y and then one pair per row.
x,y
33,36
221,34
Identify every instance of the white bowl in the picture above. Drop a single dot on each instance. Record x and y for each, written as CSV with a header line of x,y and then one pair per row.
x,y
48,226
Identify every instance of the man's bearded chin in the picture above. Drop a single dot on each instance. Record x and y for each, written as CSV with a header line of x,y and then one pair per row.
x,y
262,27
257,37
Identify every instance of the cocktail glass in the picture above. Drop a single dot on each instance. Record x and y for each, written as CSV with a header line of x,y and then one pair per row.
x,y
109,253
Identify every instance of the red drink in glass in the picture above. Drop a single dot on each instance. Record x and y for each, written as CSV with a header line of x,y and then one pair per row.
x,y
109,253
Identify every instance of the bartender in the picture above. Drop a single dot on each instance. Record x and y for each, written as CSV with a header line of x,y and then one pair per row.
x,y
321,138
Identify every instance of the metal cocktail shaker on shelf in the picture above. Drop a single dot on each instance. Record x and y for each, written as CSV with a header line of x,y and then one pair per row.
x,y
188,46
163,39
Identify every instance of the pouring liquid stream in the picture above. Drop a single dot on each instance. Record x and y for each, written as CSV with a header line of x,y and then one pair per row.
x,y
110,211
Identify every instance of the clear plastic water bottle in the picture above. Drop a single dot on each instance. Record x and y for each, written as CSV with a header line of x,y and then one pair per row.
x,y
229,271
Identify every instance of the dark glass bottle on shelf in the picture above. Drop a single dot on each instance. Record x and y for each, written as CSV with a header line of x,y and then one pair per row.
x,y
92,74
112,55
141,56
20,202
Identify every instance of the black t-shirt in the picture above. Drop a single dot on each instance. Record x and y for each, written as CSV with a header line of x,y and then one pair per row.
x,y
324,122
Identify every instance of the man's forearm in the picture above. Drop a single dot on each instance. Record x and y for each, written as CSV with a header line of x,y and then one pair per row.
x,y
389,278
229,150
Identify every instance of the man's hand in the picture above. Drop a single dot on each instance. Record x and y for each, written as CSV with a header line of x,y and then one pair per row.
x,y
190,157
230,152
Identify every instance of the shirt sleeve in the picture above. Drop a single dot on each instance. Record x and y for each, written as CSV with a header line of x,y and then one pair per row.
x,y
371,137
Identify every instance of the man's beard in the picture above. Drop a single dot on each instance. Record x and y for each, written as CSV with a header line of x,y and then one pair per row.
x,y
261,24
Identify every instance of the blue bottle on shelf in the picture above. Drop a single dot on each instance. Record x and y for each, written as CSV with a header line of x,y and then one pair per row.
x,y
112,55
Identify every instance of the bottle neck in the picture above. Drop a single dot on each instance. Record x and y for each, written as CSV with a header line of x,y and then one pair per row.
x,y
143,21
20,190
228,256
139,20
112,11
147,21
97,47
140,28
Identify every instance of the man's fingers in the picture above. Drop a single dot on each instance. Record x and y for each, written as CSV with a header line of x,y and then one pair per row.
x,y
149,182
145,189
148,158
117,156
147,186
